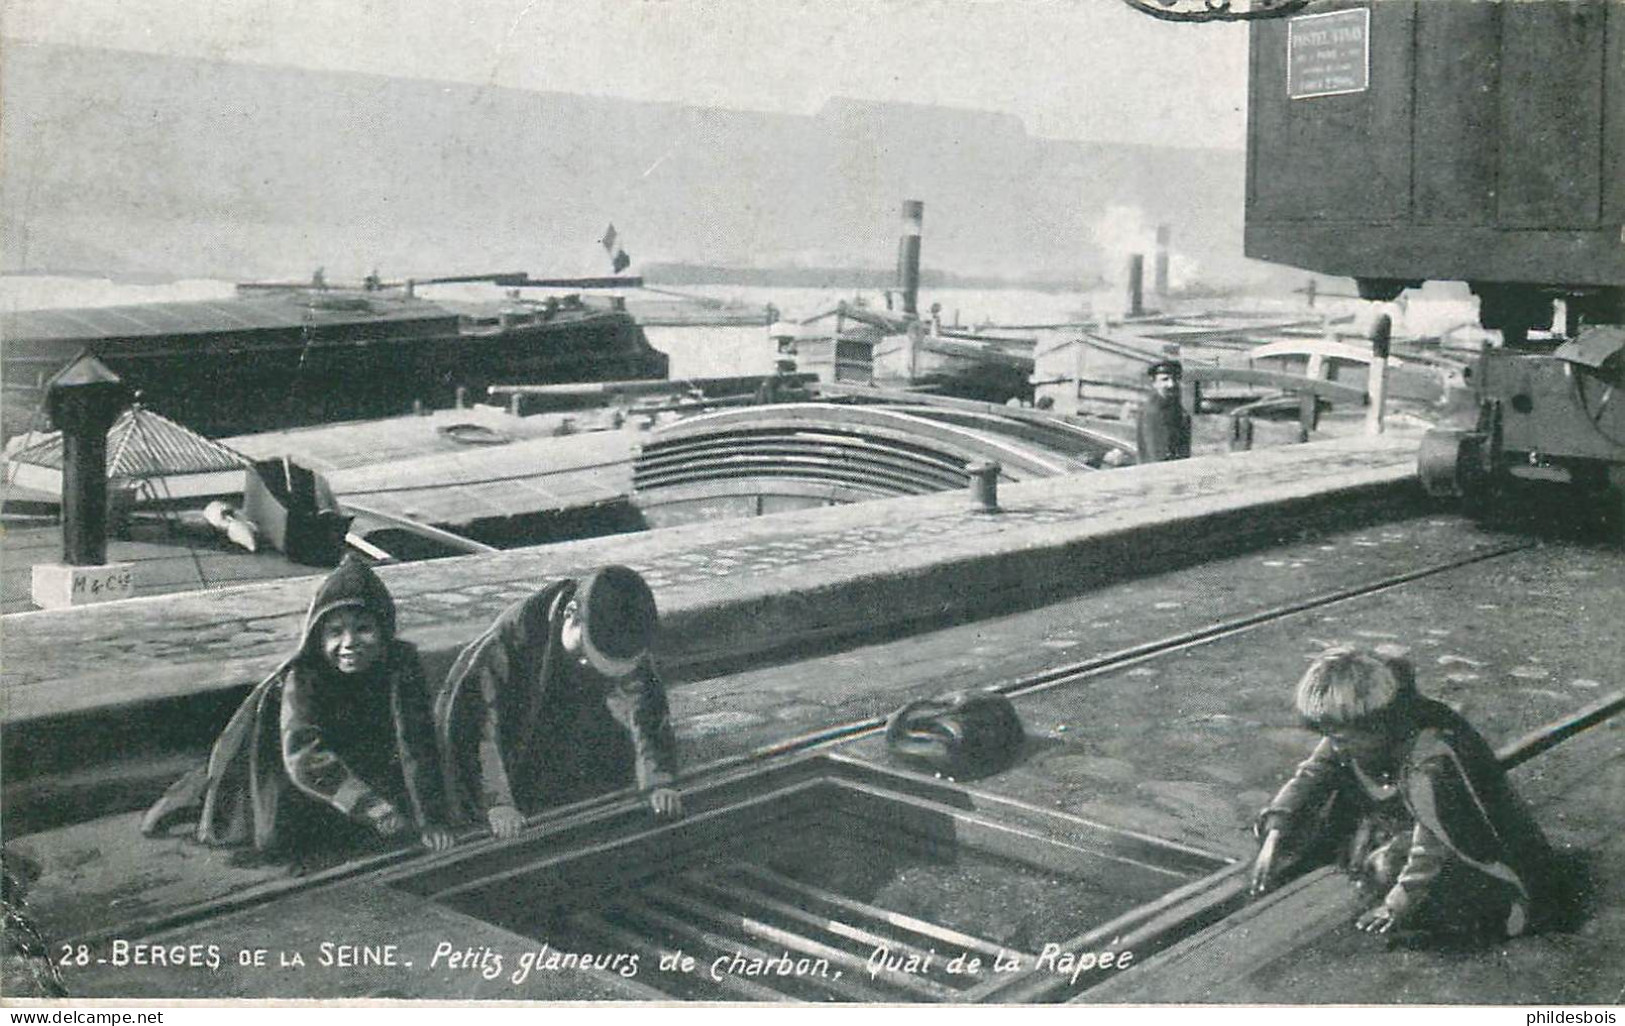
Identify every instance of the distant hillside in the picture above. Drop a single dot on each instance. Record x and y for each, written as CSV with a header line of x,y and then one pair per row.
x,y
130,163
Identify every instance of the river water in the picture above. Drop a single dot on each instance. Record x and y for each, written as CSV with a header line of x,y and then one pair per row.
x,y
715,352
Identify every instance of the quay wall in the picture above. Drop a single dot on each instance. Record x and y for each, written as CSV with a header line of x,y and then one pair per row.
x,y
151,680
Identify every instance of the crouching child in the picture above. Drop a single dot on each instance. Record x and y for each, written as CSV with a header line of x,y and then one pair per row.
x,y
557,702
333,748
1409,799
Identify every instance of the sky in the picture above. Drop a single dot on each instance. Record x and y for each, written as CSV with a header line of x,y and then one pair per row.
x,y
1070,69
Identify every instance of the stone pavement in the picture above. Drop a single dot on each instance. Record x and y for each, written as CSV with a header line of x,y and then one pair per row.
x,y
734,589
1185,745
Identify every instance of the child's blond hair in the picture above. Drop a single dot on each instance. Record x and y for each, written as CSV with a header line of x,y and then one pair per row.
x,y
1346,687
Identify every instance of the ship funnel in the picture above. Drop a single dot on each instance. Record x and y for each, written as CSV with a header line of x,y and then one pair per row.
x,y
908,255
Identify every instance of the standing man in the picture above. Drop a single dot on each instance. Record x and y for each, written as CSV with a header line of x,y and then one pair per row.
x,y
1164,428
559,701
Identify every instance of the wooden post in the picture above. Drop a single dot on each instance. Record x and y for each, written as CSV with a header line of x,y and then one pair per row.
x,y
1377,383
908,255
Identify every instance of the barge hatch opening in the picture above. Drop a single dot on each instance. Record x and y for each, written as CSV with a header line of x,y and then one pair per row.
x,y
831,880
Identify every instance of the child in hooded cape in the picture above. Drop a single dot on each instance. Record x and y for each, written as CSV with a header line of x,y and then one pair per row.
x,y
336,745
559,701
1409,798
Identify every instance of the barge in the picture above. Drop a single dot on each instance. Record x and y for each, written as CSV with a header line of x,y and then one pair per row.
x,y
274,358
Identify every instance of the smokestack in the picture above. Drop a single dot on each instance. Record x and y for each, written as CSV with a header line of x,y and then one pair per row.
x,y
908,255
1159,280
84,400
1136,284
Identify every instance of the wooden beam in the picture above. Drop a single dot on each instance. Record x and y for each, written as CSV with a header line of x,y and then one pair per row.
x,y
944,934
598,924
726,945
1520,751
741,891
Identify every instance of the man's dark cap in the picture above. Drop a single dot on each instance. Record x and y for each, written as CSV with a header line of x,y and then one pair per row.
x,y
618,615
1173,367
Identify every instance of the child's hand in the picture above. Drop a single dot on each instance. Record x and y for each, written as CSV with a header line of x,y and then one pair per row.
x,y
1263,877
1377,920
666,803
437,838
389,823
505,821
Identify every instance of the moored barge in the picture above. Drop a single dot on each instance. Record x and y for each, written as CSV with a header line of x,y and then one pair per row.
x,y
279,358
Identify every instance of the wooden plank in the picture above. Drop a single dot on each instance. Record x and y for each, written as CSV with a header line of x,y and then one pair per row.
x,y
1301,911
844,960
946,935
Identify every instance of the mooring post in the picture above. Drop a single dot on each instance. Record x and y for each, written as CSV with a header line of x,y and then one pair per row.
x,y
908,255
1159,272
1136,284
84,400
984,485
1377,382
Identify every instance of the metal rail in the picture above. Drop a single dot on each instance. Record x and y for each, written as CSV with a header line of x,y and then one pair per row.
x,y
1126,657
1054,677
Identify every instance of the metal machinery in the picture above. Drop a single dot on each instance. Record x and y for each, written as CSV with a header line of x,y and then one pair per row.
x,y
1398,141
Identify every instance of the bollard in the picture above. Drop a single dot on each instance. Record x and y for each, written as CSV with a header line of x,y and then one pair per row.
x,y
418,409
984,485
1377,383
513,404
462,397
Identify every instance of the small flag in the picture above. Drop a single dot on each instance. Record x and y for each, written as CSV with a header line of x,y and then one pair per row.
x,y
617,256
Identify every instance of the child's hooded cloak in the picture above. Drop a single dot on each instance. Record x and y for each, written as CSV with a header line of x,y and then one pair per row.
x,y
360,745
